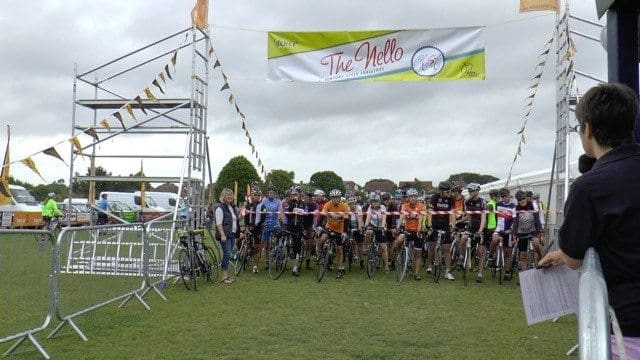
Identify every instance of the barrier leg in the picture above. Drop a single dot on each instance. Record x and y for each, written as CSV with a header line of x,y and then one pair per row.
x,y
35,343
73,325
572,350
137,297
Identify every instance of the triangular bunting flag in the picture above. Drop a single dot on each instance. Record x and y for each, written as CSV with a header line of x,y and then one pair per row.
x,y
242,115
92,132
161,76
224,76
174,58
76,143
130,111
244,126
216,64
210,50
53,152
119,117
259,162
237,108
5,193
150,95
105,123
249,141
523,139
231,98
530,96
246,133
166,70
138,99
28,161
224,87
262,169
534,85
544,53
157,84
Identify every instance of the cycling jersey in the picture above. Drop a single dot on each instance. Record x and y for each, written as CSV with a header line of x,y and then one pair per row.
x,y
475,219
294,209
440,203
353,217
335,222
412,216
506,213
492,221
376,216
526,222
268,214
308,220
458,205
392,220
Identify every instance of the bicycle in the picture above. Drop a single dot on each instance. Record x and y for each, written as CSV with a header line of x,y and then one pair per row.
x,y
326,255
454,251
196,259
468,257
245,253
349,243
404,258
54,227
373,255
280,242
438,256
498,267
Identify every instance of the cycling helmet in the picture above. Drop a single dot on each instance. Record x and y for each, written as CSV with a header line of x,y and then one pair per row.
x,y
528,193
412,192
520,195
376,197
288,192
494,192
444,185
298,188
398,196
504,192
473,187
318,192
256,191
335,193
456,188
294,192
386,196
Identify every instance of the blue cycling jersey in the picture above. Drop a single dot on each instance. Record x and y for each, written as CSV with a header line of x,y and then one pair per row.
x,y
269,211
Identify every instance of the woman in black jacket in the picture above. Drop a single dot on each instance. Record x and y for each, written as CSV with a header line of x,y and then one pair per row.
x,y
228,226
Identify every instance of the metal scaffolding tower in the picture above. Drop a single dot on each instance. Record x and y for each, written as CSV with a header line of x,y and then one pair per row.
x,y
161,128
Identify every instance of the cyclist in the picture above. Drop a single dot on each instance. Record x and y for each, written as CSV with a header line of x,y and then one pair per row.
x,y
252,227
293,210
505,209
308,225
441,201
411,214
355,225
267,217
391,219
376,221
475,229
335,212
50,210
526,226
461,219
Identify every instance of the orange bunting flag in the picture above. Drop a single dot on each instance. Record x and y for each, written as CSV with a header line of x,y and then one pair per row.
x,y
5,193
105,123
538,5
157,84
31,165
199,14
130,111
150,95
76,143
92,132
53,152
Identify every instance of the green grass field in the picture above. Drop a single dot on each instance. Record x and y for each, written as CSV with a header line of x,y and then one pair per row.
x,y
349,318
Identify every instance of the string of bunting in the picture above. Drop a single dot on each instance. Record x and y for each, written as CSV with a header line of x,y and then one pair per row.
x,y
242,116
126,112
534,84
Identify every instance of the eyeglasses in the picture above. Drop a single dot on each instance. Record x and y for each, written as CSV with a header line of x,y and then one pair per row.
x,y
522,199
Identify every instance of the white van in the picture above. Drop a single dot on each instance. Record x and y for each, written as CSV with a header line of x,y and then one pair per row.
x,y
168,201
23,212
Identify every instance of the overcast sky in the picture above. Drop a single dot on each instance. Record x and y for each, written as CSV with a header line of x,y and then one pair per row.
x,y
360,130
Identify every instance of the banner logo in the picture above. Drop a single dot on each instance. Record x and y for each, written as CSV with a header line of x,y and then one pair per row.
x,y
427,61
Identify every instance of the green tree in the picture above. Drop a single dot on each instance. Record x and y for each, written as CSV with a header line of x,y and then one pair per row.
x,y
240,170
471,177
281,179
326,181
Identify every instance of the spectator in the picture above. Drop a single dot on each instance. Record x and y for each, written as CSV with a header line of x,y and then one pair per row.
x,y
228,225
602,210
103,204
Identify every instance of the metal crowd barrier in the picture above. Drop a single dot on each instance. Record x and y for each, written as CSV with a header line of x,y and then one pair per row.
x,y
99,265
26,288
594,325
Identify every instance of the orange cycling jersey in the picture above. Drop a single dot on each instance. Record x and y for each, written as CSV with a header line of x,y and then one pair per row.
x,y
412,223
335,222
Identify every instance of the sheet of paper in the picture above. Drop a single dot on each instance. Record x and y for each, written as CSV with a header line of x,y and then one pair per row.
x,y
549,293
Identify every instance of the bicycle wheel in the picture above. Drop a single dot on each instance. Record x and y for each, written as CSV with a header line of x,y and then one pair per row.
x,y
242,258
323,263
277,261
402,262
211,263
466,266
372,261
186,271
437,265
455,255
500,266
348,255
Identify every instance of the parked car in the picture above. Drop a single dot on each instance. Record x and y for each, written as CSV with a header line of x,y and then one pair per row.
x,y
123,211
79,214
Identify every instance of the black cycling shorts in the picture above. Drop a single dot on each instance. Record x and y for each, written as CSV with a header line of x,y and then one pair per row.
x,y
523,241
447,239
418,241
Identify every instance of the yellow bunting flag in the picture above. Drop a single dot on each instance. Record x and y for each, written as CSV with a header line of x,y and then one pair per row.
x,y
537,5
28,161
105,123
150,95
199,14
5,194
53,152
130,111
174,58
76,143
161,76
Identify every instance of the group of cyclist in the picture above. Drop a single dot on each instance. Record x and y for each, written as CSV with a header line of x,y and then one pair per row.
x,y
394,220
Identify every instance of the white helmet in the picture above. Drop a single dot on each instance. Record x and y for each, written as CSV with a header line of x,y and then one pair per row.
x,y
318,193
412,192
335,192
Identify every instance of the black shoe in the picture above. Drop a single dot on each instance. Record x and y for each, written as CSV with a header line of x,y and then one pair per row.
x,y
339,274
296,273
479,278
417,277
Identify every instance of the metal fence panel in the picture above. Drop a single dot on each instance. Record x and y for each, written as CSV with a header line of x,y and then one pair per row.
x,y
25,286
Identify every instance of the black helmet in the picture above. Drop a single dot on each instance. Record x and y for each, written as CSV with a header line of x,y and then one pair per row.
x,y
504,192
494,192
529,193
520,195
386,196
444,185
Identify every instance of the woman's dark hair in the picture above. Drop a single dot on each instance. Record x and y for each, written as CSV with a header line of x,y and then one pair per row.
x,y
610,110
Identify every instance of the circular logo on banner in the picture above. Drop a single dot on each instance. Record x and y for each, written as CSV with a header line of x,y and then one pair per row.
x,y
427,61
